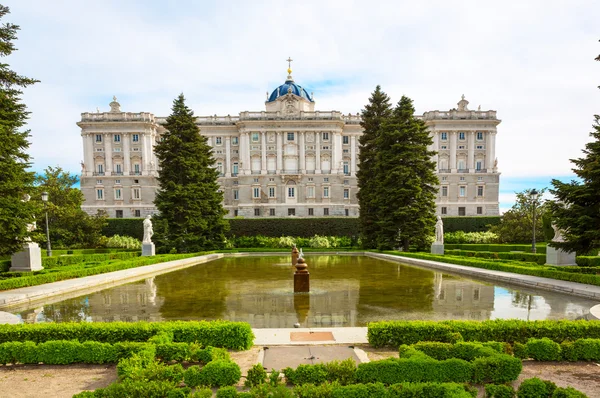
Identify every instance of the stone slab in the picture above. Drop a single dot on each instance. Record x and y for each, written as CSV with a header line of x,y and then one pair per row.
x,y
27,260
277,337
148,249
595,312
437,248
279,358
311,336
559,257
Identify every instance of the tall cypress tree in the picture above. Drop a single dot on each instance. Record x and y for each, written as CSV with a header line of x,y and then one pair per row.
x,y
376,111
188,199
577,208
15,180
406,180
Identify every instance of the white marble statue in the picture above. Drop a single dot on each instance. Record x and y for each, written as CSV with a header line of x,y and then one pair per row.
x,y
557,234
148,232
300,255
439,230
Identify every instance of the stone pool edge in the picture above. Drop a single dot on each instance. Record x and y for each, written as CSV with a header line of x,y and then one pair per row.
x,y
548,284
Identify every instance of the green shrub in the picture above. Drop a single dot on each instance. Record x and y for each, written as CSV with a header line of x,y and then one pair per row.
x,y
390,371
135,389
499,391
219,373
226,392
324,390
588,261
125,227
274,378
497,369
306,374
543,349
470,237
174,351
96,352
343,372
62,261
5,265
301,227
133,367
535,388
470,224
203,393
256,375
360,391
192,376
520,351
462,350
123,242
581,350
568,392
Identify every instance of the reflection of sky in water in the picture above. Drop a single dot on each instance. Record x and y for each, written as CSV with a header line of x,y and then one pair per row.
x,y
346,291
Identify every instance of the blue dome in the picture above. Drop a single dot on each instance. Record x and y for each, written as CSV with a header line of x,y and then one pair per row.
x,y
283,90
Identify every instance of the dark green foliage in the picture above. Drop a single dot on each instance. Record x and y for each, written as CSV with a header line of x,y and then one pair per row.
x,y
5,265
342,372
227,392
496,248
499,368
588,261
202,393
462,350
375,390
576,210
416,369
507,266
470,224
124,227
535,388
396,333
324,390
232,335
543,349
517,223
379,390
180,393
581,350
376,112
499,391
274,378
520,351
256,375
192,376
60,261
214,374
306,374
188,198
15,179
174,351
70,226
538,258
405,180
133,389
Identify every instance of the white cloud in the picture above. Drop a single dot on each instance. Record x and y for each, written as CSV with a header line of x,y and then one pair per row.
x,y
531,61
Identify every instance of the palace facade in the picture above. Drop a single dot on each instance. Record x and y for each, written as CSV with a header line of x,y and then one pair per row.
x,y
288,160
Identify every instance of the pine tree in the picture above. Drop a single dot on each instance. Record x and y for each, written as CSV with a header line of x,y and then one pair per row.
x,y
406,180
15,180
188,199
376,111
577,208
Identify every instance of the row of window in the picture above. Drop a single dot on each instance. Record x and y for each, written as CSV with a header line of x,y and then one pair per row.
x,y
256,164
137,168
136,193
117,137
462,211
117,182
462,191
290,137
463,147
462,164
119,214
462,136
291,192
292,212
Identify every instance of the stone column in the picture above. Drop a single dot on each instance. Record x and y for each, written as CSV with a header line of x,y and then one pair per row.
x,y
227,156
493,151
489,156
279,152
244,154
471,153
352,155
126,155
263,153
339,152
317,153
108,153
88,154
301,152
452,165
435,146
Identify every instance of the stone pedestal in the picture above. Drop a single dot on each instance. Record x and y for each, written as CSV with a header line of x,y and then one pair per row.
x,y
27,260
437,248
301,282
559,257
148,249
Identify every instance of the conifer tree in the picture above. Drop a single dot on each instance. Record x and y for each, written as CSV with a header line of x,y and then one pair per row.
x,y
188,199
376,111
406,180
577,208
15,180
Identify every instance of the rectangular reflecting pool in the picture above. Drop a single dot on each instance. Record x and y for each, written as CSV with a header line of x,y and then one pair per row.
x,y
345,291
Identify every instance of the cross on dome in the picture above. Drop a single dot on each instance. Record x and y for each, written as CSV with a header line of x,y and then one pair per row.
x,y
289,61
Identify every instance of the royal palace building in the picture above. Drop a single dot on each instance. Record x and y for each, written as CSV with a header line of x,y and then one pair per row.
x,y
288,160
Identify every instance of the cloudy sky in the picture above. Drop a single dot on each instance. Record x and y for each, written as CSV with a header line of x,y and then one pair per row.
x,y
532,61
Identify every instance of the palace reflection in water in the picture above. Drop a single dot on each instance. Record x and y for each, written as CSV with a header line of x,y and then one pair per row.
x,y
345,291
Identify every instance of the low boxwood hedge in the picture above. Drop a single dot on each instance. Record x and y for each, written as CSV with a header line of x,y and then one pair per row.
x,y
396,333
514,267
496,248
233,335
538,258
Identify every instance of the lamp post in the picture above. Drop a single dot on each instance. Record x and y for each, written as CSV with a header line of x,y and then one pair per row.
x,y
533,194
45,200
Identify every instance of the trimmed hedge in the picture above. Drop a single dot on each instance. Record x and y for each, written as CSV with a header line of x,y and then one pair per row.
x,y
514,267
400,390
26,279
470,224
60,261
396,333
588,261
233,335
526,257
497,248
5,265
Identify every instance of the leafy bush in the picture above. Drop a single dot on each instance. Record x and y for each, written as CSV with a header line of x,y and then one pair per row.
x,y
467,351
520,351
499,391
496,248
588,261
123,242
470,224
226,392
256,375
343,372
61,261
130,388
499,368
306,374
535,388
543,349
538,258
470,237
581,350
218,374
568,392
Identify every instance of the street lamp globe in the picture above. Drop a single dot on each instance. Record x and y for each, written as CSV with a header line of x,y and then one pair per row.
x,y
44,196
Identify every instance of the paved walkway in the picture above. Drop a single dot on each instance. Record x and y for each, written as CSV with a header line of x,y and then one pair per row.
x,y
573,288
270,337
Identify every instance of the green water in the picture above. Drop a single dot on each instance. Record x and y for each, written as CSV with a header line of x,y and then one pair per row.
x,y
345,291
